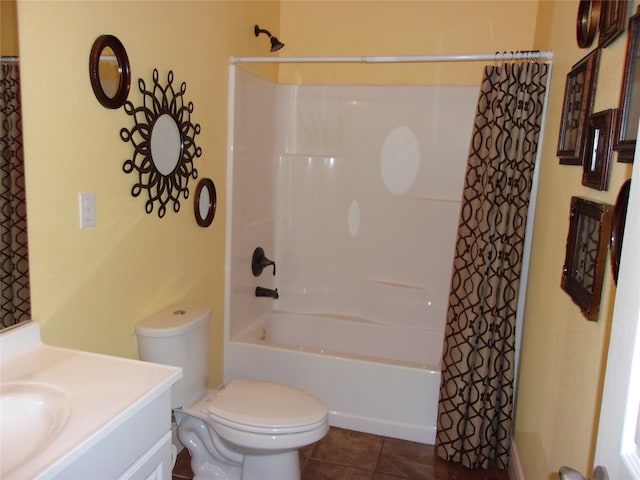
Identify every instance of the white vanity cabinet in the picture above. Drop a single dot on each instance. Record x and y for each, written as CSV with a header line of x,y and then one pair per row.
x,y
139,448
113,422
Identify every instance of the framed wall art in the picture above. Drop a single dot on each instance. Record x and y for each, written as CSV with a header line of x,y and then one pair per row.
x,y
613,18
596,163
585,258
577,107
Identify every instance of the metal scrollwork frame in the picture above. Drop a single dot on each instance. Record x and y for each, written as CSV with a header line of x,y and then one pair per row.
x,y
159,187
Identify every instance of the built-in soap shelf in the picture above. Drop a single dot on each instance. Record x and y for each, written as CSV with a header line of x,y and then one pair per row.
x,y
432,199
403,304
395,284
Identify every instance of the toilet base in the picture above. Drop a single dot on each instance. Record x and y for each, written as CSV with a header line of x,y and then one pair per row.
x,y
275,466
212,458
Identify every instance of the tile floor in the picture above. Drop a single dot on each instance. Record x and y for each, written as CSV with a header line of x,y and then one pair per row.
x,y
348,455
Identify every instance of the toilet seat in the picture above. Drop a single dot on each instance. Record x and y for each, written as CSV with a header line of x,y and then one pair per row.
x,y
266,408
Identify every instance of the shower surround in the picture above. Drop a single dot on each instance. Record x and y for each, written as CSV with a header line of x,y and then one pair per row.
x,y
354,192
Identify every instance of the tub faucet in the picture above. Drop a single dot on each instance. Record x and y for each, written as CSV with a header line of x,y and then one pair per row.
x,y
267,292
259,262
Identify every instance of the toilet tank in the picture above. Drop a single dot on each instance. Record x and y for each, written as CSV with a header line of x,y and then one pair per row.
x,y
179,336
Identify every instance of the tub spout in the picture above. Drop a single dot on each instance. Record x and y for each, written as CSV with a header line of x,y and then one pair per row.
x,y
266,292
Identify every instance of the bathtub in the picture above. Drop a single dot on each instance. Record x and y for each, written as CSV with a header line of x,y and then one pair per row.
x,y
374,378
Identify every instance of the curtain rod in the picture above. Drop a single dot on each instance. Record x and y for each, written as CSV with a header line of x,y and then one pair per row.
x,y
494,57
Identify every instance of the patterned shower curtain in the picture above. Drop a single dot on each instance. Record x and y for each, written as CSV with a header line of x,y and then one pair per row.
x,y
14,259
476,391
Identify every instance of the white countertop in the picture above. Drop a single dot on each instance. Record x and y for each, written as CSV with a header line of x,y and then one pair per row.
x,y
103,392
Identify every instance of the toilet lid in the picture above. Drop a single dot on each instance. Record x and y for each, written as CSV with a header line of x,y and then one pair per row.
x,y
266,405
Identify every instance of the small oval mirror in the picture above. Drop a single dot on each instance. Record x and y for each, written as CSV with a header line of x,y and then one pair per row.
x,y
109,71
166,144
205,202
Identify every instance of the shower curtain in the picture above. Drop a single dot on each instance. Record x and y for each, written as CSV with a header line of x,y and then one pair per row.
x,y
14,259
476,391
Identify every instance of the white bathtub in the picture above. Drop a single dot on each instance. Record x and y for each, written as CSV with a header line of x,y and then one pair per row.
x,y
374,378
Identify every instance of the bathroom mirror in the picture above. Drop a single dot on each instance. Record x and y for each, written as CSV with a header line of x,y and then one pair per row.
x,y
584,264
629,108
205,202
164,144
595,166
617,228
109,71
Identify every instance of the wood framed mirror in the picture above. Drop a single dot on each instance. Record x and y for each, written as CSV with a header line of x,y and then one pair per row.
x,y
617,228
587,244
595,167
629,108
205,202
109,71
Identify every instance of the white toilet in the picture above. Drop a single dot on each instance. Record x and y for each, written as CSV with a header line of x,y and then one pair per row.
x,y
247,430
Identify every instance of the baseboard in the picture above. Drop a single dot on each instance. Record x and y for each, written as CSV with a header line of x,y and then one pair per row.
x,y
515,467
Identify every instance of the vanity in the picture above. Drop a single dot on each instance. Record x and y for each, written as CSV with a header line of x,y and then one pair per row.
x,y
75,415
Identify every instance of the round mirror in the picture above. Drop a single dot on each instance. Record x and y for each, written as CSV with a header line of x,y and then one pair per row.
x,y
205,202
166,144
109,71
617,228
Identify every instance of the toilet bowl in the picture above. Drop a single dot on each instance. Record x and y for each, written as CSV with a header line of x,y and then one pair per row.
x,y
245,430
252,430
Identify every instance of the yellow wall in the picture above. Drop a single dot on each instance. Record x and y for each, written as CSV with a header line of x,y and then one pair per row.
x,y
380,28
89,287
563,354
8,28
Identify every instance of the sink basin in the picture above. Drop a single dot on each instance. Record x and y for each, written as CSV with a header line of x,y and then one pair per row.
x,y
32,415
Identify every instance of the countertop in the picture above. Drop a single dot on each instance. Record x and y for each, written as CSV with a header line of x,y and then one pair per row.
x,y
103,392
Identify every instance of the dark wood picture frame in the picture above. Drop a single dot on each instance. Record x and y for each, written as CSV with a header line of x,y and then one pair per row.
x,y
629,107
586,252
595,173
577,107
613,19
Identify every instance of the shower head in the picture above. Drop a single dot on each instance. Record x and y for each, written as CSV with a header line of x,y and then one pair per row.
x,y
275,43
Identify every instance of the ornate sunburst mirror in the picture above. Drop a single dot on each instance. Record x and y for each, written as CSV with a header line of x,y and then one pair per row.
x,y
164,146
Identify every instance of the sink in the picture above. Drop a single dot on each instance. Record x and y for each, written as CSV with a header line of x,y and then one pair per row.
x,y
32,415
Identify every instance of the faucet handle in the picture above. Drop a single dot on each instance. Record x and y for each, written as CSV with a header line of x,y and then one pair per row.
x,y
259,261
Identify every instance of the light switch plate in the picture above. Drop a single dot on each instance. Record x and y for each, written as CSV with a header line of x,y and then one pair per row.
x,y
87,203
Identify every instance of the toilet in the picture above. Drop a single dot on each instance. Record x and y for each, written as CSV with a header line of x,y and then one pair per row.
x,y
244,430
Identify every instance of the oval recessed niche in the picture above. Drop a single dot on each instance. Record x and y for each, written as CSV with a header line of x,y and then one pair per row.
x,y
400,160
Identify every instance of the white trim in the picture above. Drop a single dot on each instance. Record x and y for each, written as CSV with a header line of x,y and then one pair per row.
x,y
229,211
528,240
515,467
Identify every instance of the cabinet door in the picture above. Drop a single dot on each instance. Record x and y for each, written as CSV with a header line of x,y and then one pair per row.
x,y
155,464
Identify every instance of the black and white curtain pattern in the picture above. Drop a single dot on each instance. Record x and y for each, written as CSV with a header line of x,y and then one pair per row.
x,y
476,391
14,259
